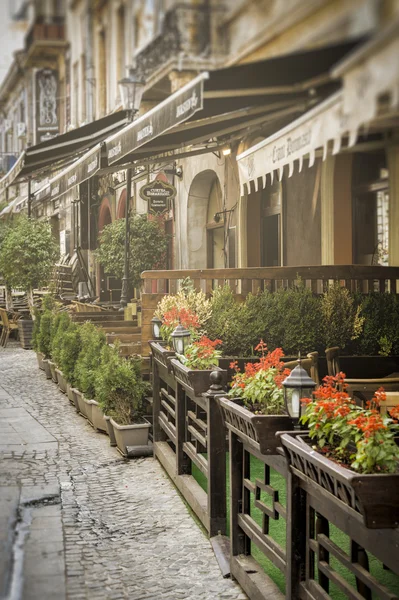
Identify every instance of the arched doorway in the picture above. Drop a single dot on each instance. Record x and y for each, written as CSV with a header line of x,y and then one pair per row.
x,y
104,218
121,212
264,226
206,247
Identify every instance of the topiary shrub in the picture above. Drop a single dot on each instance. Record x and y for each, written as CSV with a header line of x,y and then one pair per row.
x,y
380,334
119,387
61,323
36,330
341,320
88,362
44,335
71,347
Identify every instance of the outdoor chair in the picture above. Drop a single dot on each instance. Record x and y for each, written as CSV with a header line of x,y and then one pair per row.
x,y
361,389
8,324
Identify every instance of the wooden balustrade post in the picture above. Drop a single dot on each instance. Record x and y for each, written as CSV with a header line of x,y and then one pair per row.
x,y
158,433
296,537
216,444
183,462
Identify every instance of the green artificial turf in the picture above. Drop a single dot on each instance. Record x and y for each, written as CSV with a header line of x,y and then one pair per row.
x,y
277,530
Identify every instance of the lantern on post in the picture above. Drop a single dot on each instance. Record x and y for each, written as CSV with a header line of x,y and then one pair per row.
x,y
131,90
156,325
181,338
297,385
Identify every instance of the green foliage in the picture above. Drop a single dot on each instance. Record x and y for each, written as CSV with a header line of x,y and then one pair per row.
x,y
119,387
61,323
380,333
201,354
70,349
148,246
93,340
341,318
28,254
44,336
36,330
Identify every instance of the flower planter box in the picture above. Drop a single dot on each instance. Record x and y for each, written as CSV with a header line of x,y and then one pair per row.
x,y
62,382
97,417
88,408
195,381
375,496
40,357
110,430
259,431
80,402
25,330
53,368
46,368
161,354
130,435
76,399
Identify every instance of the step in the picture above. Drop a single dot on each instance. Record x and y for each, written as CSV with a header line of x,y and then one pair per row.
x,y
97,317
124,338
119,330
106,324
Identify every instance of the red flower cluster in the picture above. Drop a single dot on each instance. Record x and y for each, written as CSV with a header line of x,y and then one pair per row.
x,y
186,317
206,347
369,424
267,361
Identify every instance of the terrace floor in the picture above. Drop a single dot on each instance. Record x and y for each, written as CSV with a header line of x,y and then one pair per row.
x,y
77,521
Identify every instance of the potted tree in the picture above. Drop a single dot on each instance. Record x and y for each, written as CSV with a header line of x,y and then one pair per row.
x,y
70,349
44,340
92,340
27,257
120,391
350,452
61,324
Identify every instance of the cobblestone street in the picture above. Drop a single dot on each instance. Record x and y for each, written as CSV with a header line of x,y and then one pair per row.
x,y
76,519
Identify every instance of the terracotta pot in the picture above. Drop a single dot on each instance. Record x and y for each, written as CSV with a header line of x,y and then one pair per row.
x,y
46,368
195,381
97,417
375,497
110,430
40,357
62,383
257,430
53,371
135,434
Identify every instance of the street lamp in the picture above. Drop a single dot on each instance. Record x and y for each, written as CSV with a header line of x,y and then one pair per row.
x,y
131,90
297,385
181,338
156,325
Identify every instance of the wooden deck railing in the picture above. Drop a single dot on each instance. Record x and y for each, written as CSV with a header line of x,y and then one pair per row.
x,y
253,279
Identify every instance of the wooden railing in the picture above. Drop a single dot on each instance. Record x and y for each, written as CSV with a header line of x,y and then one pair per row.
x,y
253,279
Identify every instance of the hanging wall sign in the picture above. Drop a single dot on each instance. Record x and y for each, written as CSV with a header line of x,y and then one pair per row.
x,y
158,193
46,95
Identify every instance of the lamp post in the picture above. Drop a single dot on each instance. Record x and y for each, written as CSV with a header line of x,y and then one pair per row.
x,y
297,385
181,338
131,90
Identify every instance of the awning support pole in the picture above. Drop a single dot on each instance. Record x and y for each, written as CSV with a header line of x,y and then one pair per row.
x,y
29,197
125,280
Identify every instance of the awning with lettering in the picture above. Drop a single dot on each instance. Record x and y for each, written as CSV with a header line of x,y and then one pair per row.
x,y
228,102
300,139
79,171
371,80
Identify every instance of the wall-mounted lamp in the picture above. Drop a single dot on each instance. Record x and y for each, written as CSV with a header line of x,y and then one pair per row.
x,y
217,216
226,150
178,171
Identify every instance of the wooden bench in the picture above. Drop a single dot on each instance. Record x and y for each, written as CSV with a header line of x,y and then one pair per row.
x,y
8,324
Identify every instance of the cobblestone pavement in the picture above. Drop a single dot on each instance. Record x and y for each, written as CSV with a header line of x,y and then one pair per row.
x,y
88,523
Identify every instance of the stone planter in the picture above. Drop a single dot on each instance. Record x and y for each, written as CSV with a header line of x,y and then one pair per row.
x,y
97,417
375,497
25,330
110,430
76,396
53,368
259,431
46,368
194,381
62,382
88,406
40,357
70,394
80,400
135,434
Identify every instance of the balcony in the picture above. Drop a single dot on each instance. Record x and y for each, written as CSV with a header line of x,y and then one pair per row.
x,y
44,32
185,42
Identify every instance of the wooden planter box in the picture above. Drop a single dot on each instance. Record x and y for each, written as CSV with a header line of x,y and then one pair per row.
x,y
25,329
375,497
259,431
53,368
194,381
162,354
46,368
40,357
62,382
130,435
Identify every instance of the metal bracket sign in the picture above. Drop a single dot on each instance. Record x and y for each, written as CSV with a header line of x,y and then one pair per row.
x,y
158,193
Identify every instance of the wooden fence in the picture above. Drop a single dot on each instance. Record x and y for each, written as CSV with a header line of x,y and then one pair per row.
x,y
242,281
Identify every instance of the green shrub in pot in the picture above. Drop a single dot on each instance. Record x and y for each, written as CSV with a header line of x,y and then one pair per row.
x,y
380,334
61,324
88,362
342,321
71,347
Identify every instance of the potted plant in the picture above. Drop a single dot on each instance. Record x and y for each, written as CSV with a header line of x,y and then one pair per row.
x,y
71,346
255,403
193,368
27,257
120,391
61,324
44,340
35,339
350,452
92,340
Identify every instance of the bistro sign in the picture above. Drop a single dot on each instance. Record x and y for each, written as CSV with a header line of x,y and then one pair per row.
x,y
158,193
